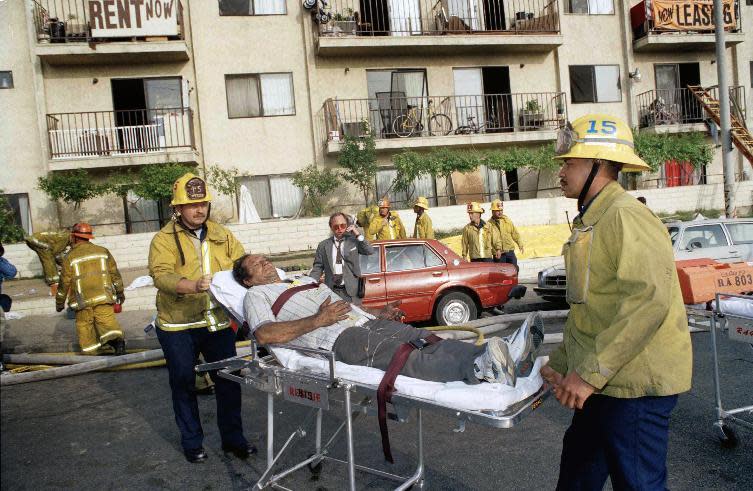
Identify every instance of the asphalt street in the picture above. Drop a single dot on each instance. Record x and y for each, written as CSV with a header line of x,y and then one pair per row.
x,y
115,430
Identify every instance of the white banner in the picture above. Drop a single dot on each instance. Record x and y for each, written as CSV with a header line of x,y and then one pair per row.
x,y
133,18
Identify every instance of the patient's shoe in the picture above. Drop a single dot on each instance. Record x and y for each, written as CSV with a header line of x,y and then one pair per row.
x,y
531,333
495,364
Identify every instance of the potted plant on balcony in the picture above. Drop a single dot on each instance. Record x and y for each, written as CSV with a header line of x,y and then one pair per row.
x,y
344,23
532,116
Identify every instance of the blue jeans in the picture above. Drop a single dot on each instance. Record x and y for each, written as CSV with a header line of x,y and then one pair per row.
x,y
508,257
625,439
181,351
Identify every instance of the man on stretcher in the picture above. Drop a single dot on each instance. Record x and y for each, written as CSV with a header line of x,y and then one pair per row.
x,y
313,316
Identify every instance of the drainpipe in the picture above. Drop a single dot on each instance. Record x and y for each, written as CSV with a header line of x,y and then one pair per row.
x,y
198,126
724,119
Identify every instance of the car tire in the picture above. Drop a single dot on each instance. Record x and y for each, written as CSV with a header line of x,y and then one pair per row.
x,y
455,308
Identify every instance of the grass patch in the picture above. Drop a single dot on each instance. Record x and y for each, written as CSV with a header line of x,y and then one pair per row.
x,y
443,234
687,215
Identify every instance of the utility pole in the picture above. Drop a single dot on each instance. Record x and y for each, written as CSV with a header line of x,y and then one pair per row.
x,y
724,119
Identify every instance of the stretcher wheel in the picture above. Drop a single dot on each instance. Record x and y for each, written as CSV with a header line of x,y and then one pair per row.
x,y
315,469
727,436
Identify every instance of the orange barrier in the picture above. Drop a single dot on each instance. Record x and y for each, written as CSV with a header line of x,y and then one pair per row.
x,y
701,279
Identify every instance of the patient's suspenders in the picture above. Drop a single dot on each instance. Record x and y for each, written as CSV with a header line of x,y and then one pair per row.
x,y
285,296
387,385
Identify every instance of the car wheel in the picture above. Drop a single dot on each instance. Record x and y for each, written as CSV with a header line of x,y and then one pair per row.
x,y
455,308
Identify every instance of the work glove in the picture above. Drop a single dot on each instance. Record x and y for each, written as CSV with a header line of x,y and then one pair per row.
x,y
121,298
59,308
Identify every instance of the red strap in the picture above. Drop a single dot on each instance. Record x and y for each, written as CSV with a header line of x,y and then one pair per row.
x,y
285,296
387,388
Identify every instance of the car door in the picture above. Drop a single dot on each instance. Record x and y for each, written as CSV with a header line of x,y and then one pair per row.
x,y
413,272
741,236
706,241
373,278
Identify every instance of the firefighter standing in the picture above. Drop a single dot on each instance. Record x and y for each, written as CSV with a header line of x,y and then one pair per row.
x,y
365,216
479,238
423,228
387,225
50,248
91,282
183,256
508,235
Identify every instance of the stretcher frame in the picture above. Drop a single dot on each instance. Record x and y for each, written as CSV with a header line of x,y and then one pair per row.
x,y
328,393
729,323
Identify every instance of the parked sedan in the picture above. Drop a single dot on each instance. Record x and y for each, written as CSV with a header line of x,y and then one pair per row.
x,y
723,240
432,282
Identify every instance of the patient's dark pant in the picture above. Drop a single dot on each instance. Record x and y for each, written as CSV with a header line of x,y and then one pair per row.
x,y
374,343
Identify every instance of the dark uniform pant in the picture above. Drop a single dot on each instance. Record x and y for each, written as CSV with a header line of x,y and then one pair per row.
x,y
181,351
625,439
508,257
374,343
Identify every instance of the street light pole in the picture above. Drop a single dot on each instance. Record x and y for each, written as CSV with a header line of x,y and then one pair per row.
x,y
724,118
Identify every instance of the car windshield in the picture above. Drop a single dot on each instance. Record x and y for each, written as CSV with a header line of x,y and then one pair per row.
x,y
673,233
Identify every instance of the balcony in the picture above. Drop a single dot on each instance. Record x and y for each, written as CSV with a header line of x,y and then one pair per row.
x,y
414,27
89,32
674,33
120,138
678,111
399,122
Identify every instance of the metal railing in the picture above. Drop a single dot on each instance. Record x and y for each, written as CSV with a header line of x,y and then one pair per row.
x,y
119,133
394,116
679,106
438,17
68,21
641,20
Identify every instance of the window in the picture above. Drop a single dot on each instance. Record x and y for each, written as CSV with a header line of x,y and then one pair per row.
x,y
592,7
402,258
741,233
370,263
703,237
6,80
422,186
595,83
19,206
673,233
254,95
144,215
252,7
273,196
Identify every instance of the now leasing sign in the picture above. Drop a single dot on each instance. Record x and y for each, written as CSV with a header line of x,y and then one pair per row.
x,y
128,18
690,15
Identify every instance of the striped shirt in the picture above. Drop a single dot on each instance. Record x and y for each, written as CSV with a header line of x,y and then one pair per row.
x,y
258,306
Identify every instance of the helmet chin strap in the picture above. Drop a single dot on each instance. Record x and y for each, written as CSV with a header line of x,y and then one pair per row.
x,y
587,185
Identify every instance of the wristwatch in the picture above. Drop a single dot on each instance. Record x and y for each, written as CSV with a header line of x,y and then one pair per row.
x,y
360,238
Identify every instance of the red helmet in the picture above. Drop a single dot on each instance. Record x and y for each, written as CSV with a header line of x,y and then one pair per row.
x,y
82,230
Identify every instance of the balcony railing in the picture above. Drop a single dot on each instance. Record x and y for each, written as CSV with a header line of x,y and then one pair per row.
x,y
642,22
439,17
68,21
679,106
119,133
392,115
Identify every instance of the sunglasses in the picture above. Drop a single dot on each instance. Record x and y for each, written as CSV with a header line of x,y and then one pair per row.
x,y
339,226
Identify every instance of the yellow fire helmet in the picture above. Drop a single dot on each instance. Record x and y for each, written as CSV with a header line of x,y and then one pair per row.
x,y
474,207
188,189
384,203
422,203
599,136
496,205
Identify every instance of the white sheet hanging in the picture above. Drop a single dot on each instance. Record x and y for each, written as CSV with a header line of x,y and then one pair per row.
x,y
247,211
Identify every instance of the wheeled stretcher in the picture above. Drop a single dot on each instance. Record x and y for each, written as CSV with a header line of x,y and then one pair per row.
x,y
313,378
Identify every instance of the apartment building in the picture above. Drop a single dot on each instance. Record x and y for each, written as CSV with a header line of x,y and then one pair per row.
x,y
268,87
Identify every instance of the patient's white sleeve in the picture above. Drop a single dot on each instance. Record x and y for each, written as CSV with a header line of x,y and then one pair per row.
x,y
258,310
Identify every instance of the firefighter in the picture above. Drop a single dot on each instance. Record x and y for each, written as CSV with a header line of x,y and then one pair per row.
x,y
183,256
479,238
365,216
423,228
508,235
50,247
387,225
91,282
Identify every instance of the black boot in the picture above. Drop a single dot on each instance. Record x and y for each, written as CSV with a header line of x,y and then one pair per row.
x,y
119,345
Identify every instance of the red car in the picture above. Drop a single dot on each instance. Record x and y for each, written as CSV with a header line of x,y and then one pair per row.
x,y
432,282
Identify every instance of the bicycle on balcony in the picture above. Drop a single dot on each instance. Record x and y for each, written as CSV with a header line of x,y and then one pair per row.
x,y
472,127
409,124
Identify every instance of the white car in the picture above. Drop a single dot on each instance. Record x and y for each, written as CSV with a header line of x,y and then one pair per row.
x,y
724,240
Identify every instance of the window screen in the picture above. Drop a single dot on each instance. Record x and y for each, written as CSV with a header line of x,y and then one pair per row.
x,y
273,196
6,80
252,7
595,83
592,7
20,211
253,95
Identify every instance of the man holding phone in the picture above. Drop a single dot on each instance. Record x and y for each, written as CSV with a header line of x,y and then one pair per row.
x,y
338,257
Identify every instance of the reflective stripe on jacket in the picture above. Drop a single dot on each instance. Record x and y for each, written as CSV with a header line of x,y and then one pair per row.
x,y
627,330
478,242
176,312
89,277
